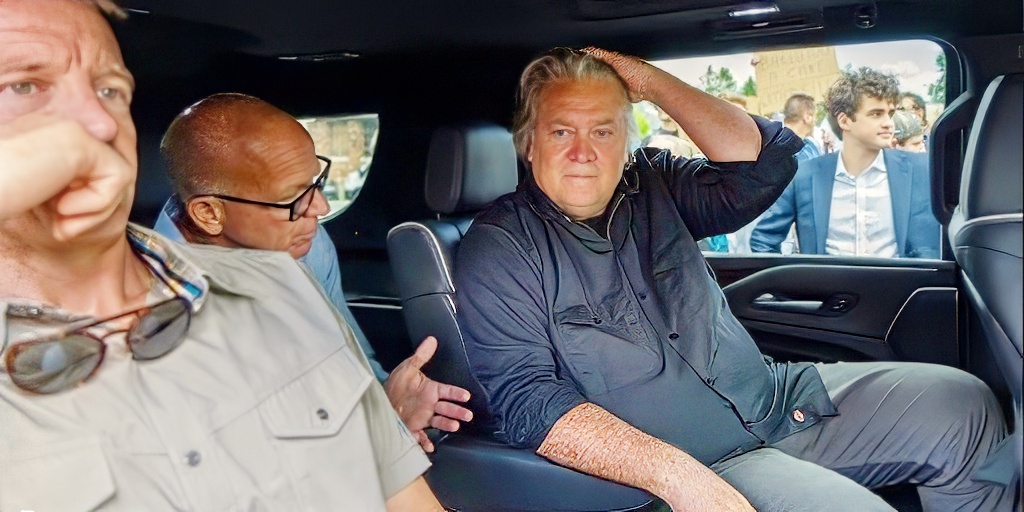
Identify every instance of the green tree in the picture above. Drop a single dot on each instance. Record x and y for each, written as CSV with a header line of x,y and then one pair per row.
x,y
749,87
718,82
937,90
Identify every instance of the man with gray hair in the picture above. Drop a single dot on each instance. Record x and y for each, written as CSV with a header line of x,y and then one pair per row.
x,y
604,344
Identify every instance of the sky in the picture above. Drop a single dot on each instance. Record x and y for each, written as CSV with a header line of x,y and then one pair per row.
x,y
913,63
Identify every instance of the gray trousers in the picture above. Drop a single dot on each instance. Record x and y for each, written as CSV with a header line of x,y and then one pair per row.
x,y
898,423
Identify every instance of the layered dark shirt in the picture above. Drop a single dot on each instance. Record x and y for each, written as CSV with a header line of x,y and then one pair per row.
x,y
629,316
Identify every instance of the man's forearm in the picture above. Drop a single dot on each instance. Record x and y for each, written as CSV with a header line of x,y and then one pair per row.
x,y
415,497
594,441
723,132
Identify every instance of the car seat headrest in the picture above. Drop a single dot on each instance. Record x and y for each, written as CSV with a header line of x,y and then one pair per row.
x,y
468,167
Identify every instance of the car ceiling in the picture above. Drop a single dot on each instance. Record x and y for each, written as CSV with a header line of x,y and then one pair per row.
x,y
341,29
420,64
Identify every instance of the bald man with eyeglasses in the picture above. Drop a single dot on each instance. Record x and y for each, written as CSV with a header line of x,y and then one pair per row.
x,y
140,374
245,174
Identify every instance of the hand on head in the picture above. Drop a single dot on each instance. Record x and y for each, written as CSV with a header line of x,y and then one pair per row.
x,y
636,72
422,402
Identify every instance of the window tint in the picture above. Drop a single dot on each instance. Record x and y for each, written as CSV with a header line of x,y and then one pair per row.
x,y
873,212
349,141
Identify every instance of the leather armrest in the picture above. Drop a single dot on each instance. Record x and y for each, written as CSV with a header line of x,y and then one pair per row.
x,y
472,473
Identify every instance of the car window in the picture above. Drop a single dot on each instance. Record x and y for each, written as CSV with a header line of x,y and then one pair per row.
x,y
349,141
881,210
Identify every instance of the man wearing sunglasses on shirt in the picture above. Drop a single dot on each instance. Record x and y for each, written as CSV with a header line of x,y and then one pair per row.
x,y
139,374
245,175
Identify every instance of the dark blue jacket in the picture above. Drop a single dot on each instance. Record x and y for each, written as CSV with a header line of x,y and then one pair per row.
x,y
555,314
808,202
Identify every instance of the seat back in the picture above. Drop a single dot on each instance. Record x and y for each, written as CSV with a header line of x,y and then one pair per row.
x,y
985,233
468,167
985,230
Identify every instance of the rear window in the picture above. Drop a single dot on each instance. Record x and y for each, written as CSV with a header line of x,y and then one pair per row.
x,y
762,83
349,141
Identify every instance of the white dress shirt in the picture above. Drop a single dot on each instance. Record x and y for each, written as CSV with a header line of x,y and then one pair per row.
x,y
860,221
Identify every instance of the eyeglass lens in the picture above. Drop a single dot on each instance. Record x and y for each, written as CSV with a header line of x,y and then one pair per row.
x,y
54,365
159,331
302,204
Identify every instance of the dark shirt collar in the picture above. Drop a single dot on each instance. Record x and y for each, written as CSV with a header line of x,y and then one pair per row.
x,y
548,210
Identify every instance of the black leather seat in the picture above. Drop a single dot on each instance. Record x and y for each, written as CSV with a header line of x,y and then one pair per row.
x,y
985,232
468,167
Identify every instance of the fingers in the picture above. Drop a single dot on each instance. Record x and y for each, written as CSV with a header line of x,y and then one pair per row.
x,y
423,352
77,180
449,392
442,423
633,71
453,411
424,441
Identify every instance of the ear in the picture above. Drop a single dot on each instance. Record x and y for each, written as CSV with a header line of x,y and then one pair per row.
x,y
529,150
208,214
843,121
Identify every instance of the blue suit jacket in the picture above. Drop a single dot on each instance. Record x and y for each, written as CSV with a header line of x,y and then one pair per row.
x,y
808,199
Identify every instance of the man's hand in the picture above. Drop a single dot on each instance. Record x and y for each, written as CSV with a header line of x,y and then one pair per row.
x,y
634,71
723,132
422,402
55,164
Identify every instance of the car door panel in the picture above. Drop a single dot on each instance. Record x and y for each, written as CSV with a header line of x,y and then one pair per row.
x,y
854,309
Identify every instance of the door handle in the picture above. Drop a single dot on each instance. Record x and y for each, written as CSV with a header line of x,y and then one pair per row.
x,y
835,305
769,302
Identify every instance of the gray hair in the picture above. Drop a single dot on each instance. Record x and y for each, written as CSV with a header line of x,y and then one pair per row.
x,y
562,65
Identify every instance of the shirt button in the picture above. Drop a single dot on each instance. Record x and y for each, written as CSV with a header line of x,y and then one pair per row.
x,y
643,296
674,336
322,414
193,458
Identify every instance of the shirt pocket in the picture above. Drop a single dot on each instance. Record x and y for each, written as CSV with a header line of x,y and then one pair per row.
x,y
318,452
602,355
68,476
318,403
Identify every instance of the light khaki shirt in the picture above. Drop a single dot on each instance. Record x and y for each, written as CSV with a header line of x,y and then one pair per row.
x,y
267,405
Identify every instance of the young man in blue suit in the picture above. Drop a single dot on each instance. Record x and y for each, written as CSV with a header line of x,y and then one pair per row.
x,y
866,200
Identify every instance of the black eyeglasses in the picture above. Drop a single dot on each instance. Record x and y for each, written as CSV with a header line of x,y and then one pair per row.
x,y
56,361
297,208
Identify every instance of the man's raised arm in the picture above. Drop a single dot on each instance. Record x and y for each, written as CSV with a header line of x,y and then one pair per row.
x,y
723,132
594,441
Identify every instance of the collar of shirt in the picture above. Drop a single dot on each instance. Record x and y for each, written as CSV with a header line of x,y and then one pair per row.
x,y
545,208
317,260
184,278
877,165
